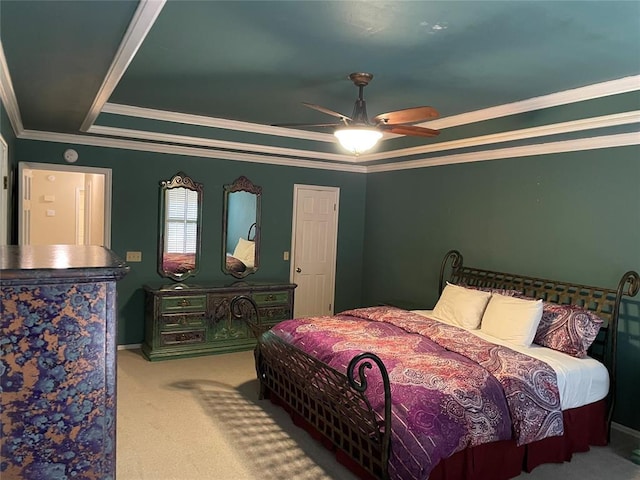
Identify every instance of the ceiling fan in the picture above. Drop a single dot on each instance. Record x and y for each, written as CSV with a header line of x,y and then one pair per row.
x,y
357,134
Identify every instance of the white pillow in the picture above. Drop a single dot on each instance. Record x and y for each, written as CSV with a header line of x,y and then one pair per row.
x,y
462,307
514,320
245,251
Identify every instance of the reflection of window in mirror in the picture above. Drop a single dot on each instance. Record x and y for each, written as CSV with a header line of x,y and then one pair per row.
x,y
181,221
180,214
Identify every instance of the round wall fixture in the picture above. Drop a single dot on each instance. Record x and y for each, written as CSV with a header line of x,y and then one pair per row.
x,y
70,155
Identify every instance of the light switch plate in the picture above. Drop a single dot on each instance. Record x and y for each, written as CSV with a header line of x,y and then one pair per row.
x,y
134,257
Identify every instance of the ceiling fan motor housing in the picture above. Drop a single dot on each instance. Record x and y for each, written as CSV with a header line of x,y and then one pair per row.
x,y
360,79
359,115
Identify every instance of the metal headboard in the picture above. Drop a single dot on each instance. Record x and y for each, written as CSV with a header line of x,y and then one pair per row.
x,y
605,302
254,228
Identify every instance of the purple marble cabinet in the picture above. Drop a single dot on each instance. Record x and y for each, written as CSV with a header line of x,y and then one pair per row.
x,y
58,362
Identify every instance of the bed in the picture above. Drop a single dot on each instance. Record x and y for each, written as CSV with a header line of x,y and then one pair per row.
x,y
179,262
234,264
413,394
244,252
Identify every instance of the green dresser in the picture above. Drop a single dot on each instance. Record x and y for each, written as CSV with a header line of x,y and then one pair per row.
x,y
184,321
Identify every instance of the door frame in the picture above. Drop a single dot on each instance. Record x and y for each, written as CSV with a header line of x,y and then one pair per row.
x,y
4,192
296,188
65,168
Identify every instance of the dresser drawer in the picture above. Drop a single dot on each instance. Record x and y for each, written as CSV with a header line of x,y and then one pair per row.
x,y
271,298
190,303
273,315
182,338
181,321
185,321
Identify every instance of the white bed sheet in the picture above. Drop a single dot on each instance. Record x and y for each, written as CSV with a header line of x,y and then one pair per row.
x,y
580,380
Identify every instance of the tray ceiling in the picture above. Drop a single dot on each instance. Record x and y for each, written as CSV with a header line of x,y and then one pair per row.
x,y
214,75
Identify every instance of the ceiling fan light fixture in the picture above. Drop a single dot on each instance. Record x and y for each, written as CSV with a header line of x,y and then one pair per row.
x,y
358,140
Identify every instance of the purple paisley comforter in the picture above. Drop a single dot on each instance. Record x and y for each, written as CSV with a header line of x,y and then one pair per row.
x,y
450,389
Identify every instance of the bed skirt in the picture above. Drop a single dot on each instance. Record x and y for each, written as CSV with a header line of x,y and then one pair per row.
x,y
584,427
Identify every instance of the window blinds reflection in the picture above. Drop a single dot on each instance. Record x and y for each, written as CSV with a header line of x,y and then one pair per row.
x,y
181,220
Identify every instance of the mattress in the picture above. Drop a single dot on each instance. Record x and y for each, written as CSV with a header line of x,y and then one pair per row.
x,y
581,381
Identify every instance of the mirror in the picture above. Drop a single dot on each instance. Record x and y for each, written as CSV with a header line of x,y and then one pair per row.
x,y
241,228
180,226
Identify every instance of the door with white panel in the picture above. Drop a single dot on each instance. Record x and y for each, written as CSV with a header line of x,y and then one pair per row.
x,y
64,204
313,245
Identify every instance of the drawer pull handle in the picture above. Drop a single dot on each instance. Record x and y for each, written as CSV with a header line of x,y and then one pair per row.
x,y
270,298
184,302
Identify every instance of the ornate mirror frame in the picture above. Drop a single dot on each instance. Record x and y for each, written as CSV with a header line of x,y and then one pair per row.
x,y
247,246
184,258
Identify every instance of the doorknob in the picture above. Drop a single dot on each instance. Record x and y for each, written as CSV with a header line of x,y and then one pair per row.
x,y
298,270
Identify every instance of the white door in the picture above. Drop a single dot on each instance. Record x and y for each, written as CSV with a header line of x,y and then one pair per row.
x,y
64,204
313,245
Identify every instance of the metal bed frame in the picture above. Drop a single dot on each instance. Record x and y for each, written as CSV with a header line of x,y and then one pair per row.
x,y
336,404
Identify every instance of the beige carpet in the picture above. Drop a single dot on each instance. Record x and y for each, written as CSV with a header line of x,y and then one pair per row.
x,y
199,418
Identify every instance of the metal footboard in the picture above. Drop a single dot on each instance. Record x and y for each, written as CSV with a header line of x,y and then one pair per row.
x,y
333,403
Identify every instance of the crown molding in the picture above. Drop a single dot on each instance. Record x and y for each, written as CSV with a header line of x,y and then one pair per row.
x,y
8,95
142,21
213,122
580,94
593,143
221,144
156,142
184,150
527,133
609,141
603,121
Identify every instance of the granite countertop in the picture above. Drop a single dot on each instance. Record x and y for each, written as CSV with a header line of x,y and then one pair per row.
x,y
35,261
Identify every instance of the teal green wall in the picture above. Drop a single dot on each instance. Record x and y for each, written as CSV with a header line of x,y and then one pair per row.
x,y
572,216
134,222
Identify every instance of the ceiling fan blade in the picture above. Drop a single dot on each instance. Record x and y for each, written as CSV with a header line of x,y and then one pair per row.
x,y
300,125
410,130
408,115
326,110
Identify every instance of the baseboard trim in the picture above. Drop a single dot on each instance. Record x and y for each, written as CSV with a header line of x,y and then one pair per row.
x,y
130,346
624,429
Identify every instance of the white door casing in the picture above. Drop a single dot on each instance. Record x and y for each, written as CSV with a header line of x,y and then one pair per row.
x,y
314,247
100,218
4,192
